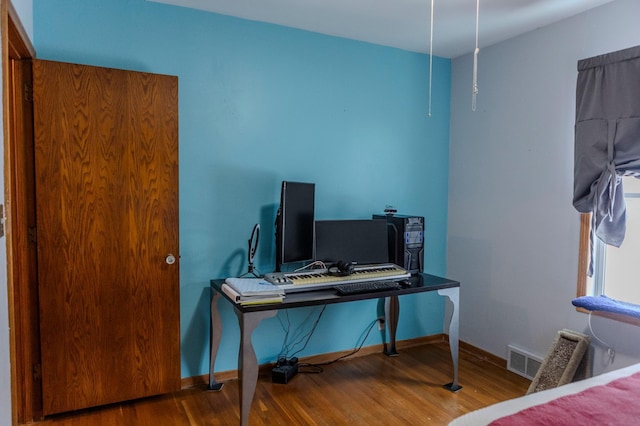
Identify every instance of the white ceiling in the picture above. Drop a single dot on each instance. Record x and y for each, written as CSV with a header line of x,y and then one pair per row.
x,y
404,23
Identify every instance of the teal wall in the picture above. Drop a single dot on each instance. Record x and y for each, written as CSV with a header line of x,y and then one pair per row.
x,y
262,103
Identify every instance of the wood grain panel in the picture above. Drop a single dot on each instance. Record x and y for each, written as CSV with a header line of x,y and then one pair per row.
x,y
20,216
107,213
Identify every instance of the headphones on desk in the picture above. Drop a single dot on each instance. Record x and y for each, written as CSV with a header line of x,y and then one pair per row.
x,y
342,268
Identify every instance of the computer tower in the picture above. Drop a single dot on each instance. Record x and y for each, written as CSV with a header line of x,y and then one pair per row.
x,y
406,241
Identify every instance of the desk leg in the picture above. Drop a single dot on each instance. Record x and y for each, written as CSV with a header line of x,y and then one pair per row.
x,y
391,313
247,360
216,335
453,294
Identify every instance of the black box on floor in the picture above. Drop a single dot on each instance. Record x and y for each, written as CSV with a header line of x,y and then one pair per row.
x,y
406,241
284,373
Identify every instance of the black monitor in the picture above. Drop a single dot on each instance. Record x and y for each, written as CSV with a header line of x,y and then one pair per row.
x,y
359,241
294,223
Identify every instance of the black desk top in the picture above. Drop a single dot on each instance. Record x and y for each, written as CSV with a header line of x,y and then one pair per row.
x,y
418,283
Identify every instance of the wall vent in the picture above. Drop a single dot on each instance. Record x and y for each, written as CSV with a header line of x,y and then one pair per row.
x,y
522,362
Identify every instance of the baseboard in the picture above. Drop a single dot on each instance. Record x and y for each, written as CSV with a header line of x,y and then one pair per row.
x,y
465,348
482,355
224,376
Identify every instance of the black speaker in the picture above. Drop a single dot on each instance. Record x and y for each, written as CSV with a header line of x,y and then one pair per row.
x,y
406,241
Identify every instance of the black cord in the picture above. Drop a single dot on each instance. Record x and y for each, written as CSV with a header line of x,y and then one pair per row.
x,y
298,337
286,329
353,352
313,329
318,369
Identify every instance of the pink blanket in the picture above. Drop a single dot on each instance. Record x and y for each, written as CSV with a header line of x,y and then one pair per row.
x,y
616,403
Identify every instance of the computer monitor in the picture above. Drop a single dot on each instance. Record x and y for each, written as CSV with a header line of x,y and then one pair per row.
x,y
360,241
294,223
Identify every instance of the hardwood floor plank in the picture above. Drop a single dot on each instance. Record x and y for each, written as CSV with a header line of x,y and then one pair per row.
x,y
369,390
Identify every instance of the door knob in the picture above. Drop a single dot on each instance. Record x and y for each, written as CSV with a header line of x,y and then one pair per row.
x,y
170,259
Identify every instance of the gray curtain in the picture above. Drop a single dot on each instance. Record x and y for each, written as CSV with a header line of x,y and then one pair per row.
x,y
607,138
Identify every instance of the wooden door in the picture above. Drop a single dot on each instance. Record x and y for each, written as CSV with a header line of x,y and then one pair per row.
x,y
106,160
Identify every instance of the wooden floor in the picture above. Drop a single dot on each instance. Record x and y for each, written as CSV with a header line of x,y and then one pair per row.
x,y
367,390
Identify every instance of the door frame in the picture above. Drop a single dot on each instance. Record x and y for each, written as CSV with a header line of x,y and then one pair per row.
x,y
19,197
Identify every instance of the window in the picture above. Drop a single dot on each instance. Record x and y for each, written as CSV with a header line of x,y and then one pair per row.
x,y
615,271
607,131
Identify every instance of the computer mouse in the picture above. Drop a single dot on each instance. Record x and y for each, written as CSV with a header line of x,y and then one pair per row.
x,y
405,283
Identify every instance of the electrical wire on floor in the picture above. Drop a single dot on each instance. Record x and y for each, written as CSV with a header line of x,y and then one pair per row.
x,y
611,352
316,368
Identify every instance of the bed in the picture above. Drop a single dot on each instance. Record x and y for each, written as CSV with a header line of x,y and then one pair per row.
x,y
611,398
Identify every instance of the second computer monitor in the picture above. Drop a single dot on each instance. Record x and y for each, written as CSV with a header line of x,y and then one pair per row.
x,y
361,241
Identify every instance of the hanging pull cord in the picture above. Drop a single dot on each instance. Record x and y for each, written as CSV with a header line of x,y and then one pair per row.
x,y
430,57
474,94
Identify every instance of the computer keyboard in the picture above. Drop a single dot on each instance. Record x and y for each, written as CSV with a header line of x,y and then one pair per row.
x,y
366,287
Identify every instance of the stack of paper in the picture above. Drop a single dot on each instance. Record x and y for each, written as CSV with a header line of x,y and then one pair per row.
x,y
252,291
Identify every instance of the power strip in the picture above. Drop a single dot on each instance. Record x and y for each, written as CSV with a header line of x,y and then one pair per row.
x,y
284,370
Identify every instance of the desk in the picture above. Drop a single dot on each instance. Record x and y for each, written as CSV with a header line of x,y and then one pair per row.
x,y
250,316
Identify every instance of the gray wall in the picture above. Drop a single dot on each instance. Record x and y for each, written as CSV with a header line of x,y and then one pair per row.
x,y
513,232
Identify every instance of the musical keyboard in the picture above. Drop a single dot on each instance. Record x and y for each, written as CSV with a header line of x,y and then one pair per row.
x,y
318,278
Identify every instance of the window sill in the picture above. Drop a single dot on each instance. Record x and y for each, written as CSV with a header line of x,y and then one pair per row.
x,y
611,309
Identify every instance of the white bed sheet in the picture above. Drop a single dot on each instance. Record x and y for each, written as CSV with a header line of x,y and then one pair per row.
x,y
486,415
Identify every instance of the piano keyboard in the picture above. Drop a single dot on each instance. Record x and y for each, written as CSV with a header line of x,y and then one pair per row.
x,y
318,278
